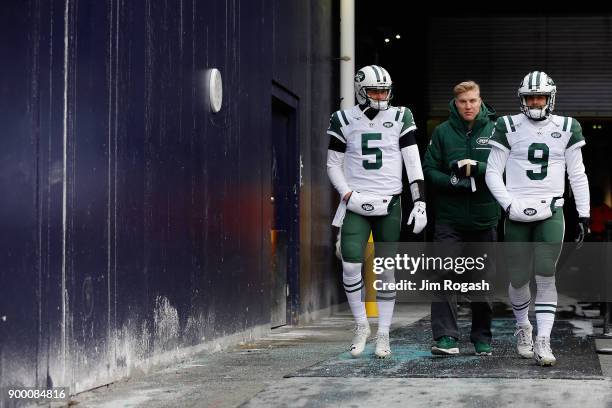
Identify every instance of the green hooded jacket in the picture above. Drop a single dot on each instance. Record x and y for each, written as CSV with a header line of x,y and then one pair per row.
x,y
452,140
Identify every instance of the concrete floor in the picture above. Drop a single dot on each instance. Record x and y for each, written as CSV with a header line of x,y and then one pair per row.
x,y
252,375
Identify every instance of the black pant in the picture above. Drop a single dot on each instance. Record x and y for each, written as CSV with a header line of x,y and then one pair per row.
x,y
444,313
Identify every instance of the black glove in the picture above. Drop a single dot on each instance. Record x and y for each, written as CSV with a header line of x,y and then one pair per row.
x,y
582,230
464,167
460,183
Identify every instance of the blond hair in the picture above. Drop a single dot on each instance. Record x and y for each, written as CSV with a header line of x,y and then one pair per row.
x,y
466,86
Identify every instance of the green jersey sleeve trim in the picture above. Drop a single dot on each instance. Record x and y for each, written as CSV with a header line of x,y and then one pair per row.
x,y
576,139
407,121
335,126
336,144
509,124
499,138
345,120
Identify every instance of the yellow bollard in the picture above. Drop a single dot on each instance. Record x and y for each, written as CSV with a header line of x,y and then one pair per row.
x,y
368,265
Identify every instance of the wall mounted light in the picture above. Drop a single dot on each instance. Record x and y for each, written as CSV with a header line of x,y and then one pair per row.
x,y
214,87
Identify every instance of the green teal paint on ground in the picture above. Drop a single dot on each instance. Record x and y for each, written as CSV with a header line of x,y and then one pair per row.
x,y
411,356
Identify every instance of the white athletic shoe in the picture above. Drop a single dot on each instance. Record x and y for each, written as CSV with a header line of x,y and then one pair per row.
x,y
542,353
362,331
524,341
383,349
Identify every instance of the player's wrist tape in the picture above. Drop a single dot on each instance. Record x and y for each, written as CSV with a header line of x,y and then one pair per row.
x,y
417,190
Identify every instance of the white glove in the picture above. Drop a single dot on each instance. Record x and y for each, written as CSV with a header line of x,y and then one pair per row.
x,y
419,215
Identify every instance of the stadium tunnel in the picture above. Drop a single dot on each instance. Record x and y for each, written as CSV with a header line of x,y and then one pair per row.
x,y
429,51
141,225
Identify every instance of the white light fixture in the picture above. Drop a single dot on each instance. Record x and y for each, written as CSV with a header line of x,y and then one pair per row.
x,y
387,40
215,89
397,36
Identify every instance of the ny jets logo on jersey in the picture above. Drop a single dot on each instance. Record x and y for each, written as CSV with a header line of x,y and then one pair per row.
x,y
530,211
556,135
367,207
388,124
483,141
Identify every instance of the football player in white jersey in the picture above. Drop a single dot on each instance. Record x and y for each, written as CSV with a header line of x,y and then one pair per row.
x,y
368,143
536,148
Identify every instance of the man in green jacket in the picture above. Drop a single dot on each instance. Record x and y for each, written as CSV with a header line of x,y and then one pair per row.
x,y
465,211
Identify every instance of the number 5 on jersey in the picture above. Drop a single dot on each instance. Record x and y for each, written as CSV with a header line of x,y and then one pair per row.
x,y
365,150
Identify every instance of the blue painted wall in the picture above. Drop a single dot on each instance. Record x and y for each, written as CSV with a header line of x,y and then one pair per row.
x,y
134,222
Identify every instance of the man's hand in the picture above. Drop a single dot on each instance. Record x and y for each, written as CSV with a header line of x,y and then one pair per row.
x,y
347,196
464,167
460,183
419,216
582,230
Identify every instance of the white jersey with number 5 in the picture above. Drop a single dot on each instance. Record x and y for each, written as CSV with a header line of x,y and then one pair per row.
x,y
536,164
373,160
